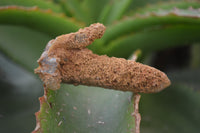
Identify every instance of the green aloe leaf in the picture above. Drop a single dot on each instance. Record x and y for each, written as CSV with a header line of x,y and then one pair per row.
x,y
94,8
151,20
166,6
141,3
37,19
31,3
179,26
117,9
74,8
86,110
156,40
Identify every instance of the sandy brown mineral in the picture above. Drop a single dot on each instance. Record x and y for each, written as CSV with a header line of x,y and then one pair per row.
x,y
66,59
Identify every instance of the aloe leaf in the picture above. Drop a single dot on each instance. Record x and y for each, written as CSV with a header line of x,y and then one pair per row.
x,y
153,40
31,3
44,21
94,8
175,109
74,8
179,26
65,9
141,3
104,13
166,6
118,7
86,110
150,20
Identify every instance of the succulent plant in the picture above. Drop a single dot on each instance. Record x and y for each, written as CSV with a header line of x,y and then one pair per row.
x,y
167,33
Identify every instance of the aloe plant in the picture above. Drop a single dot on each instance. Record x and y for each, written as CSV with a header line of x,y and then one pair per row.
x,y
157,30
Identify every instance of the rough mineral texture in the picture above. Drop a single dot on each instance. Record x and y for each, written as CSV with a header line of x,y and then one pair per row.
x,y
66,60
